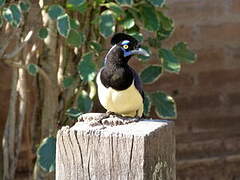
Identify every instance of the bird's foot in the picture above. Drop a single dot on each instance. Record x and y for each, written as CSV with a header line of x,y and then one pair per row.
x,y
93,119
115,119
106,119
100,121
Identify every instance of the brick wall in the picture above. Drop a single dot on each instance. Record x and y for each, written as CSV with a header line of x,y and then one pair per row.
x,y
208,92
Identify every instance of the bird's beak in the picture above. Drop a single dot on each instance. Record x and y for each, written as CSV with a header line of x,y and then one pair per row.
x,y
140,51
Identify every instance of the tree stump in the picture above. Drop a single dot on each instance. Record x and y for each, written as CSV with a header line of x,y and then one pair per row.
x,y
143,150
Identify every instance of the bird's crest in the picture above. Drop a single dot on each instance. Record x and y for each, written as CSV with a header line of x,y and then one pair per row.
x,y
119,37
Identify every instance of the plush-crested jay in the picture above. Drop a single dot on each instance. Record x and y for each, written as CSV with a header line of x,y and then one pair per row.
x,y
119,86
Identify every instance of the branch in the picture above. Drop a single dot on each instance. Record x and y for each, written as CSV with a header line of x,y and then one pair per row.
x,y
14,64
18,49
45,76
61,65
8,40
40,70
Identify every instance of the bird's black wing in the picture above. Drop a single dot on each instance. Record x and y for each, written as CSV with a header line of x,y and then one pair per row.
x,y
138,82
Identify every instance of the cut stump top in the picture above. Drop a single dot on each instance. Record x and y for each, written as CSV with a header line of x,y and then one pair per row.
x,y
141,128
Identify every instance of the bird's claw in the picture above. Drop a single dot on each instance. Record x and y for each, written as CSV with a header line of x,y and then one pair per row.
x,y
107,119
115,119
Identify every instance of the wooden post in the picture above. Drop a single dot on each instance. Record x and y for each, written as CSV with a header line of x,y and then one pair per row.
x,y
143,150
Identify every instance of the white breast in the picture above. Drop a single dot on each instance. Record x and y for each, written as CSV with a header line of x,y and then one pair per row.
x,y
126,102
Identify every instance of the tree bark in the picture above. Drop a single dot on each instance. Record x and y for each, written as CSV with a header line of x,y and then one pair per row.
x,y
50,92
9,161
49,85
143,150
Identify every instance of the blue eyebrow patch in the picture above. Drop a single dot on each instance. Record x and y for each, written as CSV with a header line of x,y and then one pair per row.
x,y
125,42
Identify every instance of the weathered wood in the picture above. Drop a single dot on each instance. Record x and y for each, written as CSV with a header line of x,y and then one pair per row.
x,y
141,150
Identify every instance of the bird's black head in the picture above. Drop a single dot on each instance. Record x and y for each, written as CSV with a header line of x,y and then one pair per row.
x,y
124,46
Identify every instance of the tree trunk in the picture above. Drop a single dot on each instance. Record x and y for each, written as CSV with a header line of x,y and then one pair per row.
x,y
50,92
16,121
9,133
49,87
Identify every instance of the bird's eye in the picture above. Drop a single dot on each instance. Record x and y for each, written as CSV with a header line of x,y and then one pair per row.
x,y
125,46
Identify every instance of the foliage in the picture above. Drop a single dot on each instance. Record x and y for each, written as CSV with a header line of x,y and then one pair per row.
x,y
164,105
87,68
83,29
32,69
151,73
42,33
46,154
128,17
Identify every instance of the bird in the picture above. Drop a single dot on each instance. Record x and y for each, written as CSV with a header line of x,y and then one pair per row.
x,y
120,89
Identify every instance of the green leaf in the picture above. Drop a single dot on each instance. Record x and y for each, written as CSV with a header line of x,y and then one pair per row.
x,y
7,14
166,22
13,15
99,1
24,6
149,17
151,73
74,23
154,42
134,12
115,8
68,81
84,102
170,62
133,32
163,34
32,69
183,53
157,3
166,26
95,46
16,13
43,33
128,22
79,8
46,154
75,38
54,11
123,2
147,104
63,25
164,104
144,58
106,24
95,20
2,2
73,113
138,36
87,68
75,2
